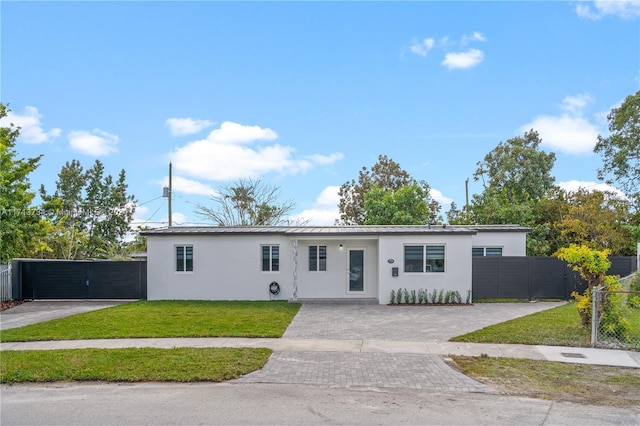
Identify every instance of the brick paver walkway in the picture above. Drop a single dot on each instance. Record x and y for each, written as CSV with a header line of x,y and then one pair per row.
x,y
384,370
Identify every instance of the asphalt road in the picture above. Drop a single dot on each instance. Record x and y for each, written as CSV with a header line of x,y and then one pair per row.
x,y
262,404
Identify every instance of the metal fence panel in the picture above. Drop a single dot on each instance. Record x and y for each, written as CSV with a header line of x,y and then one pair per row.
x,y
527,277
5,283
83,279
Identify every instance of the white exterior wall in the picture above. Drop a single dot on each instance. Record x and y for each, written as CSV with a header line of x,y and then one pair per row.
x,y
334,282
457,274
224,268
512,243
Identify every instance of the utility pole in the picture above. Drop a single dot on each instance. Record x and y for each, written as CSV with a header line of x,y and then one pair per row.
x,y
170,191
466,193
166,192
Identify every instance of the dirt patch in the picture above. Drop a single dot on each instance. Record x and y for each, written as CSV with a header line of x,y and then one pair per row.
x,y
8,304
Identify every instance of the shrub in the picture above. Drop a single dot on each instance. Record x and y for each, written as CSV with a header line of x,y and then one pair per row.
x,y
399,296
406,296
392,298
434,296
414,298
441,296
421,296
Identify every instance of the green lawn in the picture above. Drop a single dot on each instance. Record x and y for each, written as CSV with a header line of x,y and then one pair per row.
x,y
559,326
166,319
131,364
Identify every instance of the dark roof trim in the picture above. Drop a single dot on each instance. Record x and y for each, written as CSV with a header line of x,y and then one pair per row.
x,y
334,230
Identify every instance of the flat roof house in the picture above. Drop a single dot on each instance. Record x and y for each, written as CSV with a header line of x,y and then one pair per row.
x,y
323,262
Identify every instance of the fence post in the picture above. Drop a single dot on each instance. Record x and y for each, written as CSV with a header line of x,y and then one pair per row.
x,y
594,316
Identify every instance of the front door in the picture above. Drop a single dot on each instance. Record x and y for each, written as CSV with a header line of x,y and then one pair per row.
x,y
356,270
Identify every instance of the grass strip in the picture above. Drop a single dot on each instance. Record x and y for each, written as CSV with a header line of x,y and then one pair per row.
x,y
560,326
586,384
131,364
166,318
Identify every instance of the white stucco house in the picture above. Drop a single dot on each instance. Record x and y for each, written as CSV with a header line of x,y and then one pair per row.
x,y
313,263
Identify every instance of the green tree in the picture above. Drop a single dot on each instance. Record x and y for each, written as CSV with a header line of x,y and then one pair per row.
x,y
516,176
247,202
386,175
407,205
89,212
620,151
598,220
517,169
19,223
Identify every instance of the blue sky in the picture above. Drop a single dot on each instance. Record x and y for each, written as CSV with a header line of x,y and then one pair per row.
x,y
302,95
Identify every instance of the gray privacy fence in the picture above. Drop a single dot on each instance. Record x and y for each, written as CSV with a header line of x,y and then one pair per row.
x,y
534,277
78,279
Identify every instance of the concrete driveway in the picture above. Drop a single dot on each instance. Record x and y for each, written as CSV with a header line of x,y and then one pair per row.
x,y
44,310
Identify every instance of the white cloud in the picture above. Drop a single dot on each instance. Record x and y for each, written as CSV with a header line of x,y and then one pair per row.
x,y
568,132
325,210
439,197
625,9
326,159
463,60
31,130
97,142
234,133
186,186
476,36
224,155
575,185
421,48
186,126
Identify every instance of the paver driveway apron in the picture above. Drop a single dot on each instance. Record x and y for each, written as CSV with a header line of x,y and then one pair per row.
x,y
389,324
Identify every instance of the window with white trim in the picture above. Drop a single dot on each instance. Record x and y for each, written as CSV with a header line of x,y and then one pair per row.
x,y
184,258
317,258
424,258
486,251
270,258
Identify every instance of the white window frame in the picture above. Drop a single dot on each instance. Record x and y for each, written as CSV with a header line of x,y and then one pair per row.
x,y
318,257
485,248
184,259
271,270
426,267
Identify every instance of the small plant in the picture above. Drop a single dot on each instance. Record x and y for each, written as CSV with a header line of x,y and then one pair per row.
x,y
421,296
399,296
441,296
468,296
434,295
447,297
392,298
414,298
457,298
406,296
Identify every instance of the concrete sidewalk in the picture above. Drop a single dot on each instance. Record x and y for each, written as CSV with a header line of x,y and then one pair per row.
x,y
566,354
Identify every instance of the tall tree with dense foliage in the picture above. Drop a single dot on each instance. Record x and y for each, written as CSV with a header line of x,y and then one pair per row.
x,y
620,150
386,176
19,223
405,206
247,202
516,175
89,212
597,220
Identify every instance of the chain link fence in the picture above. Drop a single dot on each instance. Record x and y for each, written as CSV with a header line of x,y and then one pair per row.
x,y
615,317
